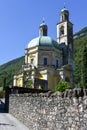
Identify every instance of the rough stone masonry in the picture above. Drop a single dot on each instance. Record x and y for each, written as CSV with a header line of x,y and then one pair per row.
x,y
51,111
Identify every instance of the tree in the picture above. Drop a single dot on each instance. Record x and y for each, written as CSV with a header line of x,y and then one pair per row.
x,y
84,67
62,86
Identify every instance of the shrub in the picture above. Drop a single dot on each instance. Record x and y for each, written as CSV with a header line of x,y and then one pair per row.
x,y
29,84
62,86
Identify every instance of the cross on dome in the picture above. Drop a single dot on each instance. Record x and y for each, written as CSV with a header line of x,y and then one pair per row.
x,y
43,21
64,5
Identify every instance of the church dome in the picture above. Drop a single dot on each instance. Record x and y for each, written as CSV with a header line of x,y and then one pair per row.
x,y
42,41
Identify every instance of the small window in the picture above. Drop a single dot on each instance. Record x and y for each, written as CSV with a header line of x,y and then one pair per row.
x,y
32,61
56,63
66,17
62,18
45,61
62,30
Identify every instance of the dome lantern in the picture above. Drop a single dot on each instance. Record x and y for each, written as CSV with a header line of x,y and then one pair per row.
x,y
43,29
64,14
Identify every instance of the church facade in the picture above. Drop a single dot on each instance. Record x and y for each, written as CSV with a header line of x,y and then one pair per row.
x,y
48,61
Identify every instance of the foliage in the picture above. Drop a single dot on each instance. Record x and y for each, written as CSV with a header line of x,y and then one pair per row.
x,y
29,84
7,71
1,89
62,86
84,67
79,46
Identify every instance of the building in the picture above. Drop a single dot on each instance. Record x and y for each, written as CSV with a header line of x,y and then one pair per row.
x,y
48,61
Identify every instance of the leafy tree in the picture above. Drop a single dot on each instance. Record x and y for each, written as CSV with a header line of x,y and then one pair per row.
x,y
62,86
79,46
84,67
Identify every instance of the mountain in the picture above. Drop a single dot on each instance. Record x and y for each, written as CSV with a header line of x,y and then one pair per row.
x,y
80,34
8,69
80,42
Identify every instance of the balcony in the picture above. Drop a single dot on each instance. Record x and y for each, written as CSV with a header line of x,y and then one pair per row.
x,y
28,66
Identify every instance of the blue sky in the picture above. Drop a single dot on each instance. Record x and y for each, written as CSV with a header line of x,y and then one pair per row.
x,y
20,20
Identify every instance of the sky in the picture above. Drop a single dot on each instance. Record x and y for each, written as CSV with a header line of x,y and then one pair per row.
x,y
20,20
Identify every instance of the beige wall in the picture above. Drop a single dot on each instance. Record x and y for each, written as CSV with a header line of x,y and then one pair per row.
x,y
19,82
34,56
31,53
39,53
52,55
44,54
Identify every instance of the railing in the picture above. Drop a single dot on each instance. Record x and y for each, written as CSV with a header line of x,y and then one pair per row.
x,y
51,66
31,66
28,66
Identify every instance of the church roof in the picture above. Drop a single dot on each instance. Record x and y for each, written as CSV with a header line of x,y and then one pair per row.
x,y
43,24
42,41
64,10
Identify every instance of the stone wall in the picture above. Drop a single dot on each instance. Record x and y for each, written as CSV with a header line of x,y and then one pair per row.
x,y
51,111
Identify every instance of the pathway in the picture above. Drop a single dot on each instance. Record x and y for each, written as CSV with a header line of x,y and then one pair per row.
x,y
8,122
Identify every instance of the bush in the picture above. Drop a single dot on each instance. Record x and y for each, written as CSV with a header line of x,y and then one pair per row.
x,y
29,84
62,86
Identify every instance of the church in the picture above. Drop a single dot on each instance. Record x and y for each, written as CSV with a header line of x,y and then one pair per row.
x,y
48,61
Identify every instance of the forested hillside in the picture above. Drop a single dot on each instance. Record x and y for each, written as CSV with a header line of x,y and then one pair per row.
x,y
80,34
80,60
9,69
80,52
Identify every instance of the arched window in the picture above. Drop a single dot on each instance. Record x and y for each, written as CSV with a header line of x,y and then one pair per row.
x,y
32,61
62,30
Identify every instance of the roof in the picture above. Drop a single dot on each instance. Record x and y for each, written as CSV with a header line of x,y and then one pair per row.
x,y
64,10
42,41
43,24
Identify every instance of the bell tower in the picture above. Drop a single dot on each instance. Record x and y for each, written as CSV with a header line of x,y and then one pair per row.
x,y
64,28
65,35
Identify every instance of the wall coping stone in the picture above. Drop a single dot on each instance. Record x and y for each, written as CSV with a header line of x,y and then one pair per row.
x,y
69,93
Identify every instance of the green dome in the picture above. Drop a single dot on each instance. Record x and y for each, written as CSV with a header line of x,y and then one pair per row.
x,y
43,41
